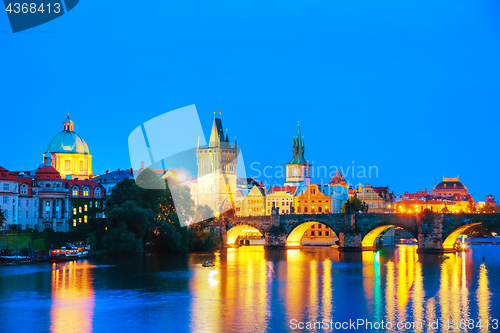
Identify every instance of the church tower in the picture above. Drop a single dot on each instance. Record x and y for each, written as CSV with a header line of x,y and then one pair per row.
x,y
297,170
217,171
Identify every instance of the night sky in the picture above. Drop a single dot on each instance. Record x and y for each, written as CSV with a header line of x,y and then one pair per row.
x,y
411,87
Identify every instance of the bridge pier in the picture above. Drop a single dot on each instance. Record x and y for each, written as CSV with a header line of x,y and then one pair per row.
x,y
275,236
430,233
350,239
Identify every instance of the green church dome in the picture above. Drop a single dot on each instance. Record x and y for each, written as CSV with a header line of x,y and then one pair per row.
x,y
68,141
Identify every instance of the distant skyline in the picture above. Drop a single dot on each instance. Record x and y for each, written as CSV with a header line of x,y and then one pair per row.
x,y
411,88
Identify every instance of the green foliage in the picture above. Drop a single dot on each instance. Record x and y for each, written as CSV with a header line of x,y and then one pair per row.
x,y
3,219
145,208
92,241
356,205
121,241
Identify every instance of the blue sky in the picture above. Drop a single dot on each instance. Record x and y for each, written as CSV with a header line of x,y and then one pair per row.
x,y
410,87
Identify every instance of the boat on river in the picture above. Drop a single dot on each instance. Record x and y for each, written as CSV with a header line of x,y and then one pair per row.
x,y
68,253
208,264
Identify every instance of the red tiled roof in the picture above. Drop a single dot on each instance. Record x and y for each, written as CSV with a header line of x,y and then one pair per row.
x,y
47,170
71,182
290,189
337,178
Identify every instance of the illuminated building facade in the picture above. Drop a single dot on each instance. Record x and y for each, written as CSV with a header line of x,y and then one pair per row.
x,y
451,189
448,196
251,202
86,198
41,199
319,234
313,201
52,195
70,153
281,197
216,182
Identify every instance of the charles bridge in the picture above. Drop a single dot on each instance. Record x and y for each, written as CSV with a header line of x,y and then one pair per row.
x,y
435,232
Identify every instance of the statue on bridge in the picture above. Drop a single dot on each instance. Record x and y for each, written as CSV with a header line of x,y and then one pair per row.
x,y
348,207
292,209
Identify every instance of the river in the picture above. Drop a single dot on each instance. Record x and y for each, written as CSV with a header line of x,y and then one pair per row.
x,y
256,290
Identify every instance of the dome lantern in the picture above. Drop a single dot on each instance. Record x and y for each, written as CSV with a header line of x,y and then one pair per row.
x,y
68,124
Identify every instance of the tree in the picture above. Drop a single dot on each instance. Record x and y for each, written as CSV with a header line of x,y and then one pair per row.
x,y
356,205
471,206
3,219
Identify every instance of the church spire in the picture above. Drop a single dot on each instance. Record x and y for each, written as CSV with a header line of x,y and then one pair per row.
x,y
298,149
217,134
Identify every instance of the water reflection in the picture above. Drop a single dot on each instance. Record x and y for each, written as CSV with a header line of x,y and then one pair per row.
x,y
72,306
251,289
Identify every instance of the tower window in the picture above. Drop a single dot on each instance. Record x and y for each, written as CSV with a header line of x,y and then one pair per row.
x,y
67,165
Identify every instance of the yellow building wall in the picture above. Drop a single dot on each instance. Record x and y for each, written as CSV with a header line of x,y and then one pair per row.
x,y
312,200
412,207
80,165
320,234
251,205
282,199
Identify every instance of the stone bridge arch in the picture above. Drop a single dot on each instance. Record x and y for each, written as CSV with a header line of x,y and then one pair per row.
x,y
371,234
235,227
296,230
449,240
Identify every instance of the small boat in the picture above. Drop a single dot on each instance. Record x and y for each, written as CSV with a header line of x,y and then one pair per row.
x,y
311,251
208,264
68,253
443,257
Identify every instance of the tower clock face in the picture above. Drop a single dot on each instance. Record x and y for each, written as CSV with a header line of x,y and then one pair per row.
x,y
295,173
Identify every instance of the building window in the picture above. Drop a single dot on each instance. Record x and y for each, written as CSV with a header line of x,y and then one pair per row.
x,y
74,211
327,233
85,207
319,209
75,191
24,189
36,203
91,204
305,209
27,214
85,218
319,233
80,209
6,187
86,192
67,165
79,220
97,203
74,222
5,199
312,232
81,165
298,210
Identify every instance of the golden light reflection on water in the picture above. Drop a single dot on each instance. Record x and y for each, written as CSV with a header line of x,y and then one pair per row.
x,y
72,306
232,290
483,297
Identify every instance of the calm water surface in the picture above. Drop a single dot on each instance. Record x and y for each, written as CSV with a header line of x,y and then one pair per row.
x,y
252,290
